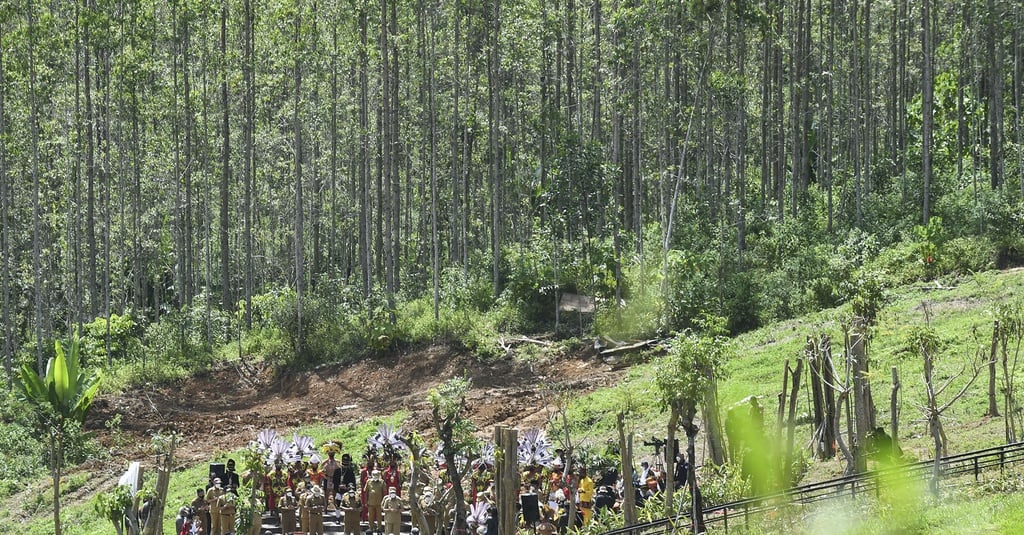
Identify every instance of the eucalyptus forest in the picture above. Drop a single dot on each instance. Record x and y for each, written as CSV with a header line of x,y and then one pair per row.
x,y
177,173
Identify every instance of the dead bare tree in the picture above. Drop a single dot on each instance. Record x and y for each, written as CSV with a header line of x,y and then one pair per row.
x,y
818,354
1010,330
830,380
927,340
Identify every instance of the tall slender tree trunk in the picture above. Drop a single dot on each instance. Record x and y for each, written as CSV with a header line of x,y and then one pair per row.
x,y
297,126
92,285
674,416
435,239
494,126
37,246
5,252
365,207
628,489
864,420
927,107
994,62
187,260
225,163
249,158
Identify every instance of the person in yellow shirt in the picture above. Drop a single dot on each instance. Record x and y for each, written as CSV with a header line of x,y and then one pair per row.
x,y
586,495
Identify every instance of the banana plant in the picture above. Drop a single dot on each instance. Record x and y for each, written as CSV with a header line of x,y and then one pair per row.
x,y
62,398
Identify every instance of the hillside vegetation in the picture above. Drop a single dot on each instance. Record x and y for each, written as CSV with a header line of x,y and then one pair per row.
x,y
960,310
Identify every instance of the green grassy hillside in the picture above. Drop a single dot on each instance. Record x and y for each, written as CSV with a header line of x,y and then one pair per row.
x,y
961,313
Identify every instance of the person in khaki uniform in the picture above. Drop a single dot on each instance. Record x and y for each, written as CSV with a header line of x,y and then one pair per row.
x,y
374,495
315,509
213,495
227,510
286,507
201,508
353,508
392,507
303,511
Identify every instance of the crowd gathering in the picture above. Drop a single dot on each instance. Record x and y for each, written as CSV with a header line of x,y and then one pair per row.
x,y
300,485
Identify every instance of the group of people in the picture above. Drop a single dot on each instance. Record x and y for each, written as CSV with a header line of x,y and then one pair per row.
x,y
298,494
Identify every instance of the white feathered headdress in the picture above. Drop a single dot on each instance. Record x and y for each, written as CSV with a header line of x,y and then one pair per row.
x,y
535,449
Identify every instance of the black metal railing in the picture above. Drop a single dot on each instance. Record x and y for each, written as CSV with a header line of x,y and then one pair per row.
x,y
868,482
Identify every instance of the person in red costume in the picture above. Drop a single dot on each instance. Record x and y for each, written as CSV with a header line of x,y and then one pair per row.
x,y
364,475
314,474
276,484
393,476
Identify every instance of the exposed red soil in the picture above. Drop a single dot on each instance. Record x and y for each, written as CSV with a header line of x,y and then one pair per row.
x,y
225,408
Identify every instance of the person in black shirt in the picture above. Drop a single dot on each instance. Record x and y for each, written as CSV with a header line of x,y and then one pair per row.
x,y
230,477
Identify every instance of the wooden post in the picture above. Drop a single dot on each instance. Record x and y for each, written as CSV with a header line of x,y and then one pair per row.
x,y
500,454
628,492
813,358
828,382
780,416
993,407
506,477
791,423
864,410
894,417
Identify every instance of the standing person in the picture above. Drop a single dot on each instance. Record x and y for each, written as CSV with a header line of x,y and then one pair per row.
x,y
315,506
296,475
314,474
352,508
230,477
347,473
213,495
374,491
364,476
392,507
227,510
179,521
392,476
286,505
332,477
202,510
586,495
300,507
479,481
276,484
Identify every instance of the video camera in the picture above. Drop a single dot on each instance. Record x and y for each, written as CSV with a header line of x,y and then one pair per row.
x,y
658,443
655,443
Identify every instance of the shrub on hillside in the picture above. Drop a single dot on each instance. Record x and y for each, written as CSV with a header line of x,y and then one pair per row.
x,y
125,342
965,255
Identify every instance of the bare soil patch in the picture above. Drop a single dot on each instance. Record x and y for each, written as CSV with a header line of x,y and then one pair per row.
x,y
223,409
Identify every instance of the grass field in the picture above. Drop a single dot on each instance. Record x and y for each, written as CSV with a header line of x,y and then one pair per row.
x,y
962,314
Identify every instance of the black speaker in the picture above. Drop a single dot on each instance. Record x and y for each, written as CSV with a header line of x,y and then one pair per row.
x,y
218,469
531,510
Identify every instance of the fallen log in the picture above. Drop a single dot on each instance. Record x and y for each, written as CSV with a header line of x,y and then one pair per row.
x,y
627,348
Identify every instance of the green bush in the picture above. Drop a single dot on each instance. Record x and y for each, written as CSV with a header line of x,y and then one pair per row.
x,y
125,342
897,265
21,453
965,255
187,338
